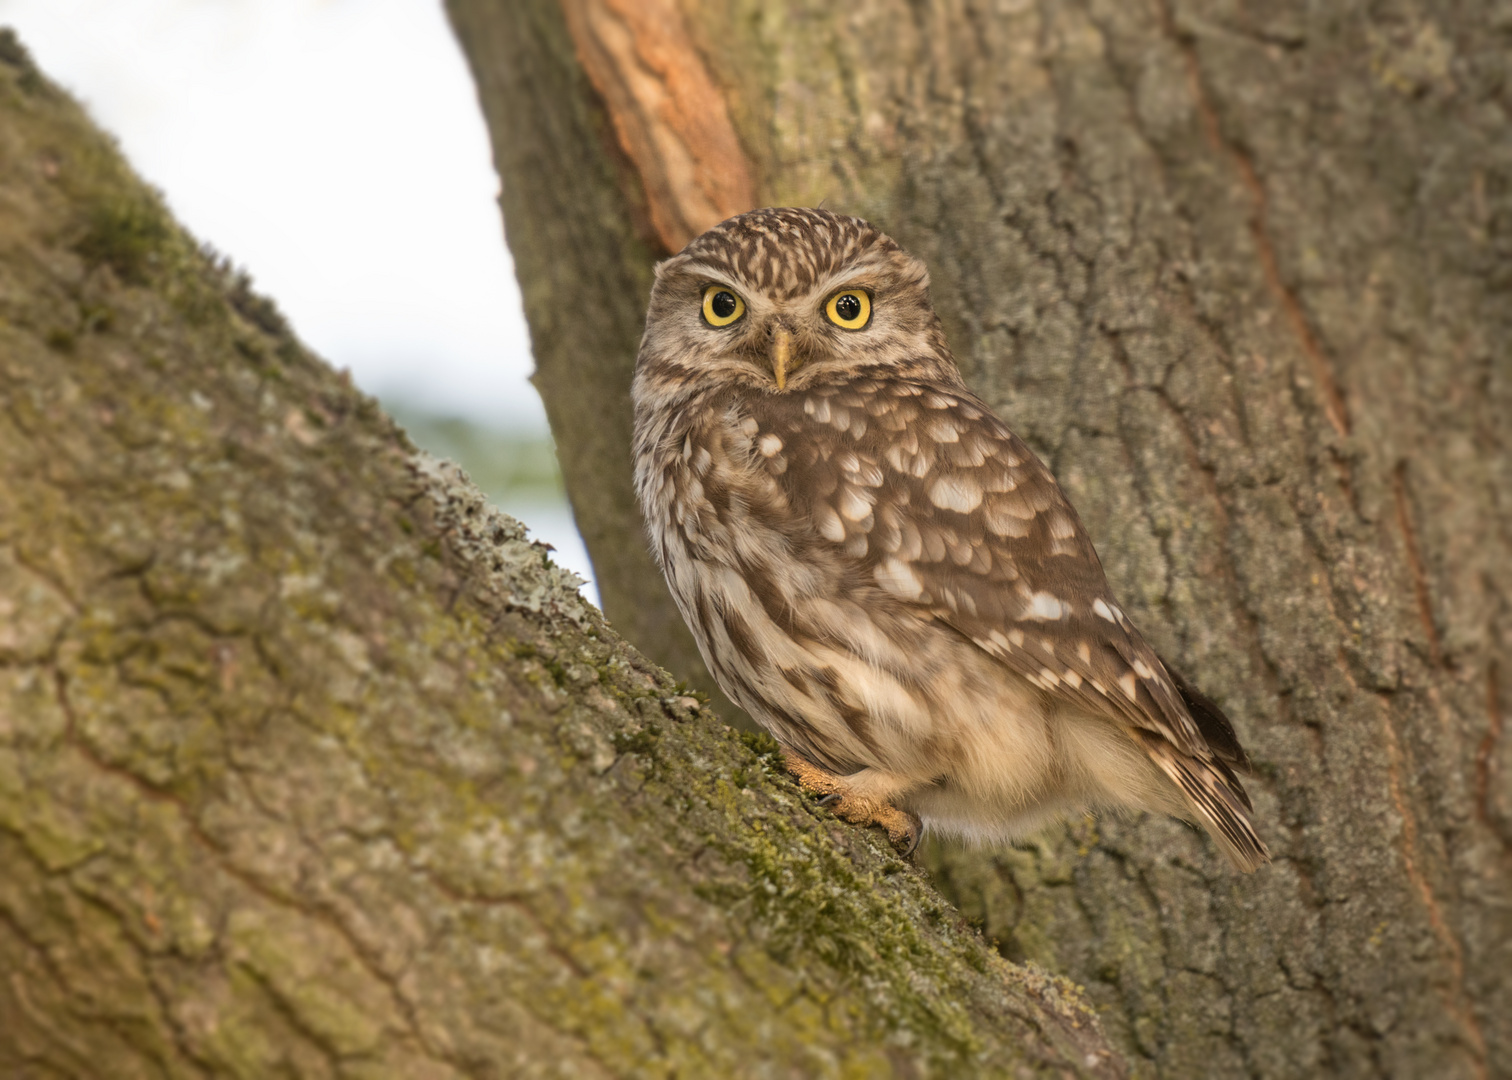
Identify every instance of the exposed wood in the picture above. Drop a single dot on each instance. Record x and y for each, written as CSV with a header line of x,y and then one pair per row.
x,y
667,111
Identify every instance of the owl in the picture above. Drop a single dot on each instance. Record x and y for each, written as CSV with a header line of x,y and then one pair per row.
x,y
883,574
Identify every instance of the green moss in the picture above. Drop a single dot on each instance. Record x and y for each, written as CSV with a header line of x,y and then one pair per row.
x,y
127,231
15,55
257,309
12,52
642,741
761,743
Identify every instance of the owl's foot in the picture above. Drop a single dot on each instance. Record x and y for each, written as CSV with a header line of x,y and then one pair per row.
x,y
904,829
856,798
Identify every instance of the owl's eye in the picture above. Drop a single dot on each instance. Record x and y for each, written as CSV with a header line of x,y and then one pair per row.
x,y
721,307
849,309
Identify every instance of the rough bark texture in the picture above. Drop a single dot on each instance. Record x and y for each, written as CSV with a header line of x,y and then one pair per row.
x,y
1240,273
312,765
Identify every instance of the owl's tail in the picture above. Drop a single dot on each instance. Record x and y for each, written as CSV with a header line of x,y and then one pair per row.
x,y
1217,799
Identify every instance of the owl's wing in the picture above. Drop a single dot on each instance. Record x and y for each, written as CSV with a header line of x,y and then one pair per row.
x,y
943,507
933,500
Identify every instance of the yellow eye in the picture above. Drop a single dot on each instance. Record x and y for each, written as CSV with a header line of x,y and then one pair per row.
x,y
849,309
721,306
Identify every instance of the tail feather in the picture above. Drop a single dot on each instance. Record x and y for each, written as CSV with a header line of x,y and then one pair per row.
x,y
1215,727
1217,798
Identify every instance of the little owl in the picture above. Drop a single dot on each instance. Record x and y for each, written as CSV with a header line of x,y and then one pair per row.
x,y
879,571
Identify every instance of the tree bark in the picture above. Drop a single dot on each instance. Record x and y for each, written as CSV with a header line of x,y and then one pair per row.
x,y
1239,273
312,765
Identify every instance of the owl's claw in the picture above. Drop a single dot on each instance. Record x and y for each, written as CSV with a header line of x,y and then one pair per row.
x,y
914,835
903,828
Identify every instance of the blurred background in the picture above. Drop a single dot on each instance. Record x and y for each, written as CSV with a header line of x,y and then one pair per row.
x,y
335,150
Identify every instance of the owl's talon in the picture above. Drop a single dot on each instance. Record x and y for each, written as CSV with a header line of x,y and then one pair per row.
x,y
905,830
838,795
915,834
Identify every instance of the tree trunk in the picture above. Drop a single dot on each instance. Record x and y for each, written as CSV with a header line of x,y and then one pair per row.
x,y
311,765
1239,273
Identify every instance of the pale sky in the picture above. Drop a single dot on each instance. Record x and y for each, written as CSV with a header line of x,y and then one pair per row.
x,y
335,149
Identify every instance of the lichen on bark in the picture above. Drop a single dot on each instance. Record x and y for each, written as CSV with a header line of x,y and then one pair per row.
x,y
312,764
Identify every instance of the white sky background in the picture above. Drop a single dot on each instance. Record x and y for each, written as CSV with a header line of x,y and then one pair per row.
x,y
335,149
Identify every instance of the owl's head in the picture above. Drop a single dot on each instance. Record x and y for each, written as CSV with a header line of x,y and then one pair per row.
x,y
785,298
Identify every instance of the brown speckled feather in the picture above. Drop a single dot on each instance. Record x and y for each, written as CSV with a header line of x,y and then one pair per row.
x,y
943,507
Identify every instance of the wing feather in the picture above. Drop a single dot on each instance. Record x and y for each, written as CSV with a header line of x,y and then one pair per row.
x,y
940,505
946,509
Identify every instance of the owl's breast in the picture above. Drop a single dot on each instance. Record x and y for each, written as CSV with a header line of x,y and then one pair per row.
x,y
710,486
791,626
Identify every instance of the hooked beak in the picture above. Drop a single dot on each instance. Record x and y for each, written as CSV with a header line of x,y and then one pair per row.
x,y
782,354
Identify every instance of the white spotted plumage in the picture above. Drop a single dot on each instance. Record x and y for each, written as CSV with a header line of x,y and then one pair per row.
x,y
883,574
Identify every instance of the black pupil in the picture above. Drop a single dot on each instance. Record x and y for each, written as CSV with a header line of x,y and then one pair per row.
x,y
848,307
723,304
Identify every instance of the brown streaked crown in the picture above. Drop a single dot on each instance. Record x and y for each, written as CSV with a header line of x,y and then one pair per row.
x,y
785,251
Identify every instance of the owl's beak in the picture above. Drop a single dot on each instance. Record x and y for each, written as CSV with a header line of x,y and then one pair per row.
x,y
782,354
